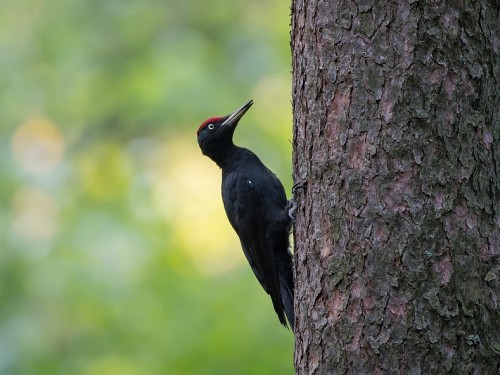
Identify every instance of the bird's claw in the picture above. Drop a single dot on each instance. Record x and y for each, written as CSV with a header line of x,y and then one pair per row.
x,y
298,185
292,205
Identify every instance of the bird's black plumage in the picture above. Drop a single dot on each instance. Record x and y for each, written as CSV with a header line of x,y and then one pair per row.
x,y
257,208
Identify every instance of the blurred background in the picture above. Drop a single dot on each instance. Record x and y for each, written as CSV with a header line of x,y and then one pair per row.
x,y
115,253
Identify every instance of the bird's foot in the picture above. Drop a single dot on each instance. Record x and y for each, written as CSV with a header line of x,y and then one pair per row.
x,y
291,207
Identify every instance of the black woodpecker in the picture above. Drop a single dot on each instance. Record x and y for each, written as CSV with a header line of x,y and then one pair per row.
x,y
257,208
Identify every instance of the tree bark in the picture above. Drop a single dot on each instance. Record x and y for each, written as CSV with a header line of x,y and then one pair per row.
x,y
397,134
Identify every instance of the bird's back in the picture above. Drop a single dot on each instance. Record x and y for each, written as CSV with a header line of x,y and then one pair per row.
x,y
246,179
255,203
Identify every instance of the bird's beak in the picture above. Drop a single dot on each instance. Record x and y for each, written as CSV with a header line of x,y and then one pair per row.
x,y
234,117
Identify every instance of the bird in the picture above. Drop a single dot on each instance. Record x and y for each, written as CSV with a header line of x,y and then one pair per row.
x,y
257,208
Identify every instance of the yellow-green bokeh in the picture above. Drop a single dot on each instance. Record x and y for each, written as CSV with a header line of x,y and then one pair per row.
x,y
115,253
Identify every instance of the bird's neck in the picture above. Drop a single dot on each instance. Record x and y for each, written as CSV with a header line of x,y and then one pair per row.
x,y
228,156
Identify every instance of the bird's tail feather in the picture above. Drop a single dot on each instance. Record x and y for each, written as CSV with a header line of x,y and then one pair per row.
x,y
286,290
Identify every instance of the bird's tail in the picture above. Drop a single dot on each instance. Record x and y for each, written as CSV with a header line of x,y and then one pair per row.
x,y
286,290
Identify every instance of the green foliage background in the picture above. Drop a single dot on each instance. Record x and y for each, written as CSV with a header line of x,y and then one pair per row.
x,y
115,253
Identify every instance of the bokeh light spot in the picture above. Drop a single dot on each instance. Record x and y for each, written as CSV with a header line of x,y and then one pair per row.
x,y
38,145
106,171
187,194
35,215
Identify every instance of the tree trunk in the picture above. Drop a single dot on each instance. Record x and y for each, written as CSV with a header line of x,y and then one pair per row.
x,y
397,134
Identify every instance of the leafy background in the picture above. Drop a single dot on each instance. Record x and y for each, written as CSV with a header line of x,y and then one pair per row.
x,y
115,253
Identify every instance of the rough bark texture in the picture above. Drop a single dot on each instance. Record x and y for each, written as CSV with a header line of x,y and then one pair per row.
x,y
397,133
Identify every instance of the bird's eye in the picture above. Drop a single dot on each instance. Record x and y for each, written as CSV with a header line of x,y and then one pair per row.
x,y
211,126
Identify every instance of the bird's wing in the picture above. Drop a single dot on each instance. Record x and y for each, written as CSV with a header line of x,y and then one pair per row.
x,y
250,220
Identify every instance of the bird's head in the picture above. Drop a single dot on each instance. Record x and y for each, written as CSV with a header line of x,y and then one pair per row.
x,y
215,134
